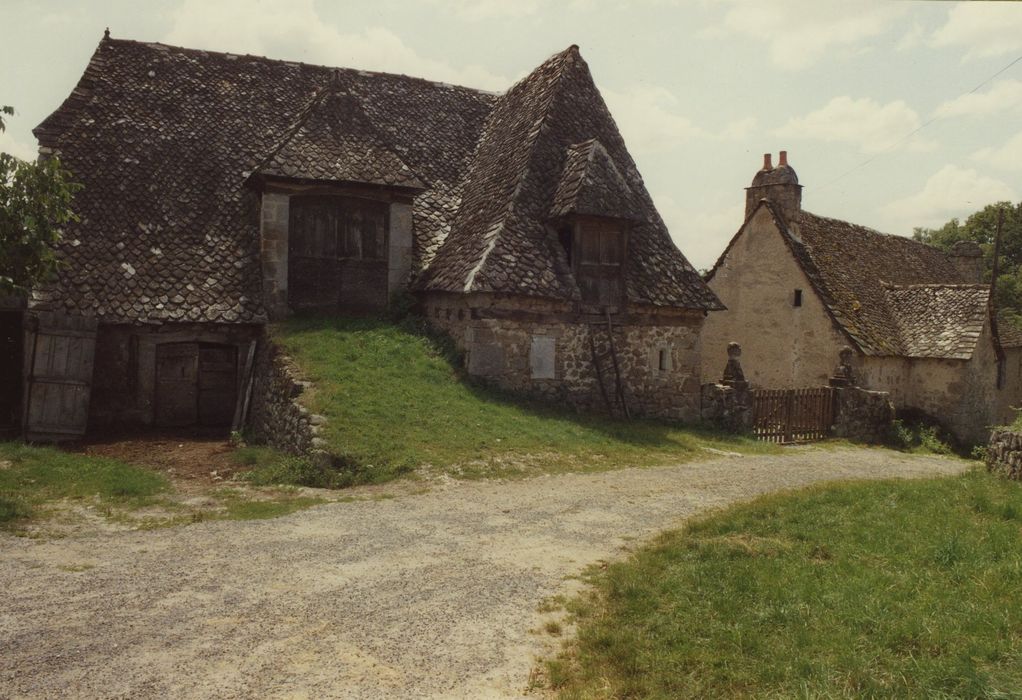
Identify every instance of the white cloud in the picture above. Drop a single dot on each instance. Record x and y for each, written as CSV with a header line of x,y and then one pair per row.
x,y
295,31
475,10
951,191
872,126
982,28
799,33
647,118
1002,95
9,144
1007,157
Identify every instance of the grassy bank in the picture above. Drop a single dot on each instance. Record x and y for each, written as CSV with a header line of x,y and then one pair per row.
x,y
395,400
896,589
32,476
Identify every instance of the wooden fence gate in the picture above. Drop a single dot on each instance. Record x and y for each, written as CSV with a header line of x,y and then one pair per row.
x,y
792,415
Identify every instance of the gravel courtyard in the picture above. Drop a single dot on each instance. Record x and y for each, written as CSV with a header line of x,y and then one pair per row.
x,y
428,595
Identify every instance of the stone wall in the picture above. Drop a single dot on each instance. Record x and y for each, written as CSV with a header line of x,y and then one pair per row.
x,y
1004,453
276,416
727,407
542,349
862,415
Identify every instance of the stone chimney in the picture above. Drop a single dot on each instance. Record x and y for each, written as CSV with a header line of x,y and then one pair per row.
x,y
968,258
778,185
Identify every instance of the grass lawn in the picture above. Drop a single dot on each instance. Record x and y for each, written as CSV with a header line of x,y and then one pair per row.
x,y
395,400
31,476
886,589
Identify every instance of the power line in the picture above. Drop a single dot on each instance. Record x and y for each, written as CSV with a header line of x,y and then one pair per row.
x,y
914,131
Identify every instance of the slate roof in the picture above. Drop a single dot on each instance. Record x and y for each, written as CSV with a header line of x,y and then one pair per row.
x,y
890,295
939,320
167,141
591,185
334,140
502,240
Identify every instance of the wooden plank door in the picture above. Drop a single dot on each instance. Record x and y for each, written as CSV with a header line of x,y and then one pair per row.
x,y
62,351
218,384
177,386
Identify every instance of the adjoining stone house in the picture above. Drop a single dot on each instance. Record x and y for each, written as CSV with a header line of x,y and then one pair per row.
x,y
798,287
224,191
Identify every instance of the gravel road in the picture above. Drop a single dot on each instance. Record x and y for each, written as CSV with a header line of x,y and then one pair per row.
x,y
428,595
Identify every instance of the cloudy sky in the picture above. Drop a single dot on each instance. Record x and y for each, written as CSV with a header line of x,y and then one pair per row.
x,y
894,114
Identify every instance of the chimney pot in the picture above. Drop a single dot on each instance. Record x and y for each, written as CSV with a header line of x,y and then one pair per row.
x,y
784,158
767,165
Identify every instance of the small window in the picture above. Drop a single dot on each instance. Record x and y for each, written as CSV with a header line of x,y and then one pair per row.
x,y
798,298
664,360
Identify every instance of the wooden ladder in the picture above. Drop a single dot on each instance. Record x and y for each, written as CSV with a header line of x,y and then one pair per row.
x,y
619,391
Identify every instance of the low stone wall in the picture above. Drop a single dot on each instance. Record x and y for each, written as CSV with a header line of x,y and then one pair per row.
x,y
861,415
727,407
276,416
1004,453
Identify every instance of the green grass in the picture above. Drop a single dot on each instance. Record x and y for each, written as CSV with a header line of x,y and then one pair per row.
x,y
395,400
889,589
34,475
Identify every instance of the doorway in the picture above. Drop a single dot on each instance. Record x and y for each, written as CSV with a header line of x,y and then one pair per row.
x,y
196,385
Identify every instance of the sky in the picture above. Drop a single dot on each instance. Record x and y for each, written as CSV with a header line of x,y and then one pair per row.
x,y
894,114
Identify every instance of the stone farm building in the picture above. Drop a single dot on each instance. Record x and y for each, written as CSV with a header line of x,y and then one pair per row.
x,y
799,287
224,191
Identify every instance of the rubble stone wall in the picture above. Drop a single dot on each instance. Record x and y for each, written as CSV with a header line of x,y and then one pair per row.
x,y
727,407
1004,453
540,349
862,415
276,416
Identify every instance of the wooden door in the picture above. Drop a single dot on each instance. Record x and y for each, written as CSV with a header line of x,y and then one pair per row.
x,y
59,364
218,384
177,384
313,275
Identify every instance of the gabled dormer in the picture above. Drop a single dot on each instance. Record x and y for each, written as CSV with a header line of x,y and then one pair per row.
x,y
593,210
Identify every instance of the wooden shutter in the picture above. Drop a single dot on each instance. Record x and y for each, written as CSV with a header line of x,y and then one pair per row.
x,y
60,360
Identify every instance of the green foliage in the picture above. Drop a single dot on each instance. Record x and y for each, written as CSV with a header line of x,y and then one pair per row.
x,y
395,399
920,437
32,476
883,589
35,202
981,227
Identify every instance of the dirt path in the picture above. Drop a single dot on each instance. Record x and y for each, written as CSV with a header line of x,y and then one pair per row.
x,y
430,595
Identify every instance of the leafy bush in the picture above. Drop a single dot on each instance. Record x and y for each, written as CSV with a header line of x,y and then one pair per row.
x,y
921,436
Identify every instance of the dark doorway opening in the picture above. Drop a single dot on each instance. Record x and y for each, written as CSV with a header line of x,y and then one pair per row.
x,y
196,385
11,366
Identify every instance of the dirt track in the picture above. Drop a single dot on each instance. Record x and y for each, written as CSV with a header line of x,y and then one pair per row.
x,y
430,595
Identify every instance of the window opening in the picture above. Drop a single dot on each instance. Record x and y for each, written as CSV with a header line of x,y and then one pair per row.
x,y
798,298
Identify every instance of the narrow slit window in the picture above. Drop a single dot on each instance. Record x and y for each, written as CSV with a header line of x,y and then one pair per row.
x,y
798,298
664,360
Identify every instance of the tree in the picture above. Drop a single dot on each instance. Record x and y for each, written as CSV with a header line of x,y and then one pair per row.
x,y
35,202
981,227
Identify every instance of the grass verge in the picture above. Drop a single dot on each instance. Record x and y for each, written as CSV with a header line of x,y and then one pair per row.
x,y
889,589
31,476
396,400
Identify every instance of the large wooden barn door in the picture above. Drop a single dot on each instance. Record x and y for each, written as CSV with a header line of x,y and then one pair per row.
x,y
60,359
196,384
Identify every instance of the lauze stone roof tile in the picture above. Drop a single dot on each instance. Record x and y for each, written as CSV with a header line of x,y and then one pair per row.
x,y
890,294
166,140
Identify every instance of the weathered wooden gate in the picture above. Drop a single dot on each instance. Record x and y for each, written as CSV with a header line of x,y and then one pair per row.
x,y
792,415
196,384
59,362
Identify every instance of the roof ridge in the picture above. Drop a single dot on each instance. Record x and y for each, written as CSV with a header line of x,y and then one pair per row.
x,y
493,234
871,230
159,46
942,285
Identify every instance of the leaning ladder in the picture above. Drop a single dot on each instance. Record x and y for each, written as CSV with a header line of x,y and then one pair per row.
x,y
598,358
